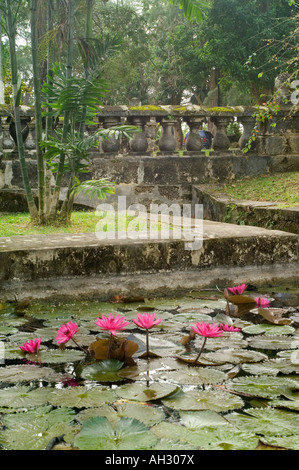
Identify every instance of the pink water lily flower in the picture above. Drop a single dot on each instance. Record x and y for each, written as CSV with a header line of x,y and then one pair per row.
x,y
66,332
112,324
261,302
147,320
229,328
31,347
207,331
237,290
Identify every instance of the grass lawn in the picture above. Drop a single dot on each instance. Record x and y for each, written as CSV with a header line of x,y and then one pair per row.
x,y
282,188
81,222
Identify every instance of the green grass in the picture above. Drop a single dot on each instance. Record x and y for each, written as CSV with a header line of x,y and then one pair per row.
x,y
281,188
81,222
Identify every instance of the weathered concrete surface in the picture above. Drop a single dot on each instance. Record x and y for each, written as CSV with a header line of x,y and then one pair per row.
x,y
220,207
61,266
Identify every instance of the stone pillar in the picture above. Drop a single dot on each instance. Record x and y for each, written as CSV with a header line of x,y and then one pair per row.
x,y
248,125
110,144
221,141
139,142
31,138
8,143
167,143
194,142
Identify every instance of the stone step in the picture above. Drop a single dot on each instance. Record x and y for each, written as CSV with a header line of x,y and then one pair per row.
x,y
81,265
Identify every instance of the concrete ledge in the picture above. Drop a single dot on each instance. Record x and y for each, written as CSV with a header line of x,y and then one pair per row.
x,y
75,265
223,208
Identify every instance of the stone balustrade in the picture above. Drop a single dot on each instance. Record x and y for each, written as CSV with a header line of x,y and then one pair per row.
x,y
158,126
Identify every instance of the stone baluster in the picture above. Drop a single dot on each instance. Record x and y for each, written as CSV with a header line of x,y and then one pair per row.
x,y
221,141
248,125
110,144
194,142
138,144
30,140
8,143
167,143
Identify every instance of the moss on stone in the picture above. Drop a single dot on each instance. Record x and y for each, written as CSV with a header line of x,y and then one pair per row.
x,y
146,107
220,109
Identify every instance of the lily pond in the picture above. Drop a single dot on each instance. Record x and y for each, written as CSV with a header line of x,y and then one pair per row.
x,y
242,393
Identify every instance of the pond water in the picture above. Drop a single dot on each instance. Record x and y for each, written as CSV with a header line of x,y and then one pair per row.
x,y
242,394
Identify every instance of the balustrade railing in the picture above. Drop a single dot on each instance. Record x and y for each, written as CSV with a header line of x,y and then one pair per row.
x,y
158,126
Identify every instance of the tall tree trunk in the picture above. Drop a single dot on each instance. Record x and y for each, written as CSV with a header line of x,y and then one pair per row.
x,y
1,65
38,110
49,119
69,69
16,85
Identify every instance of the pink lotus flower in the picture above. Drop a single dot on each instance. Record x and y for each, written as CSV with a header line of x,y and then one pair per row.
x,y
237,290
112,324
229,328
66,332
207,331
147,320
261,302
31,347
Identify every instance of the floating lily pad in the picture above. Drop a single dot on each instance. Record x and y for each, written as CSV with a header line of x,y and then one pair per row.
x,y
105,410
289,442
210,438
268,329
21,396
140,392
196,400
193,376
266,421
34,429
235,356
264,386
26,373
129,434
104,371
272,367
199,419
147,414
269,342
81,397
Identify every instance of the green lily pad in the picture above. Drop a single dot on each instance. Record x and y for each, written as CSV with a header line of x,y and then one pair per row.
x,y
269,342
105,410
208,438
289,442
199,419
103,371
266,421
268,329
235,356
34,429
27,373
147,414
141,392
264,386
21,396
81,397
193,376
272,367
196,400
129,434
